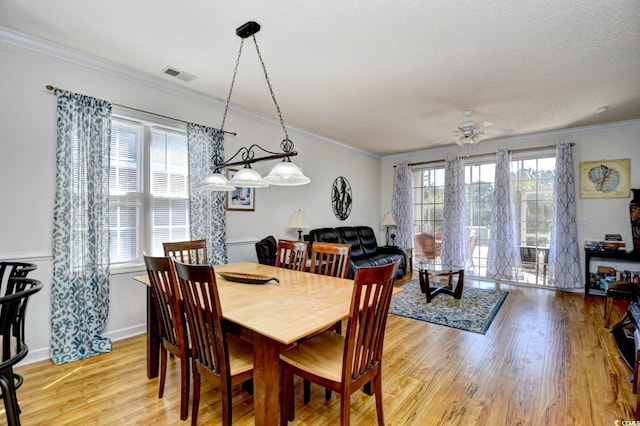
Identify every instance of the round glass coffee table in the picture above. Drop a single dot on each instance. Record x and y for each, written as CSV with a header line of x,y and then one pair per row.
x,y
437,277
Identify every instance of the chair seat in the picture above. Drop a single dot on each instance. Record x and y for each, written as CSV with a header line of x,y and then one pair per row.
x,y
240,354
622,290
321,355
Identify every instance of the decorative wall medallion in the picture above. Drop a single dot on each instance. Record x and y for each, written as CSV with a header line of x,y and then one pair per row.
x,y
341,198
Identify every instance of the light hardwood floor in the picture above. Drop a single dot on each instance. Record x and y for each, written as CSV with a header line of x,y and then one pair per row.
x,y
547,359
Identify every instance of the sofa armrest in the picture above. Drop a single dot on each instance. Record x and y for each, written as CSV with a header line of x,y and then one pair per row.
x,y
395,250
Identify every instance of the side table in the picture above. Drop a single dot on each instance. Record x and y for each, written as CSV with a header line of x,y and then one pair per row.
x,y
429,270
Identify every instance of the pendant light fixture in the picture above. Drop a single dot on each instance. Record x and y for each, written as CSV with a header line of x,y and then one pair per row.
x,y
283,174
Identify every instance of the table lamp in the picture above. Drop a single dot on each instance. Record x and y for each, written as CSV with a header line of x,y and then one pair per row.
x,y
388,221
299,222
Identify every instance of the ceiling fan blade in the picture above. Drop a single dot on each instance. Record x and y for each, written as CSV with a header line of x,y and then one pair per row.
x,y
499,131
483,125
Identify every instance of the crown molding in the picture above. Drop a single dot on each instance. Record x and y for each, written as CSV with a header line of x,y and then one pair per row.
x,y
83,59
560,133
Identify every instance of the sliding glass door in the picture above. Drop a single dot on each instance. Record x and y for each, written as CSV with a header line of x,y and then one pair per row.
x,y
532,175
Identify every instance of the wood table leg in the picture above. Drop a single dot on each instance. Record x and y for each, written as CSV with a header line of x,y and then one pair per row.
x,y
153,338
457,293
266,380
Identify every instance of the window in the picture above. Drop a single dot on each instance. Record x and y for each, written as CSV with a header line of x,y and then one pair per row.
x,y
148,189
532,175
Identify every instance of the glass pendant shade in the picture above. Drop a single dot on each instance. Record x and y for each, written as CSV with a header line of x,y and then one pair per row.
x,y
216,182
248,178
286,174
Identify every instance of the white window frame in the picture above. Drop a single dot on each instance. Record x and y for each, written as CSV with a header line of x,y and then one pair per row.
x,y
145,219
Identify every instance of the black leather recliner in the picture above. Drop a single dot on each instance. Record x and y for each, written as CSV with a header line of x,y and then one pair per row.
x,y
364,247
266,250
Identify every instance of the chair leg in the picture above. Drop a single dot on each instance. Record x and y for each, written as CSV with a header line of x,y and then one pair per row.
x,y
345,408
10,400
196,395
247,386
286,396
163,371
377,390
184,386
306,385
226,400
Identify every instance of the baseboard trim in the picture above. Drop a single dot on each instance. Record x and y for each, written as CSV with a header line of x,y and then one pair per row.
x,y
42,354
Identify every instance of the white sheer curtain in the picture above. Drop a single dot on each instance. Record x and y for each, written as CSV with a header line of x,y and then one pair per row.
x,y
503,257
455,247
402,209
565,270
207,214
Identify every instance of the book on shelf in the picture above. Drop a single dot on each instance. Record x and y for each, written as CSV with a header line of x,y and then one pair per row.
x,y
608,274
606,245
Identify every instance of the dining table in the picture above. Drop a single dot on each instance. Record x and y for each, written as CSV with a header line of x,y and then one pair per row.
x,y
275,314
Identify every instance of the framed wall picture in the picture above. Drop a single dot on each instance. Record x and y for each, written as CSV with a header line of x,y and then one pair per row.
x,y
242,199
604,179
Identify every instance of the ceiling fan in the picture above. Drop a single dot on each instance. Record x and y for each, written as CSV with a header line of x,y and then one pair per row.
x,y
470,132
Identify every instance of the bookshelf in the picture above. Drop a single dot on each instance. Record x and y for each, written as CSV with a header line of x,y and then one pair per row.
x,y
604,254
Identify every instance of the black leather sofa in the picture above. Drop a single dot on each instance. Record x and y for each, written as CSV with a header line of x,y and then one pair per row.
x,y
364,247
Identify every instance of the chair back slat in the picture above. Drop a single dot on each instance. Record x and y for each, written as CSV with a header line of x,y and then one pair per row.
x,y
204,317
366,324
193,251
168,302
292,254
330,259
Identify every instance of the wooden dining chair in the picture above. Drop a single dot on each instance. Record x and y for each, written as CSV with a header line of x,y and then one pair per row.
x,y
330,259
224,358
171,324
192,251
345,364
292,254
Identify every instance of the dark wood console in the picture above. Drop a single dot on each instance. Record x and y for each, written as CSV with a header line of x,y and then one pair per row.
x,y
612,255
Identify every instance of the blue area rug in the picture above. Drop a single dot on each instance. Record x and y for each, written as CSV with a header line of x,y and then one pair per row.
x,y
474,311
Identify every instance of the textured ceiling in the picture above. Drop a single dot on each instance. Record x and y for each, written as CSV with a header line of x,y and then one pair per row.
x,y
386,77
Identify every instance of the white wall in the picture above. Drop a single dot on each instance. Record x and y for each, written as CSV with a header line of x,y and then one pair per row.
x,y
27,169
601,215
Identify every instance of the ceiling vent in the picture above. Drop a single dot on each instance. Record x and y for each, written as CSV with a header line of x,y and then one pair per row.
x,y
174,72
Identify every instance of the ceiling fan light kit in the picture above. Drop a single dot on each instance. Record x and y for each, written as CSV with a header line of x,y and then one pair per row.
x,y
470,132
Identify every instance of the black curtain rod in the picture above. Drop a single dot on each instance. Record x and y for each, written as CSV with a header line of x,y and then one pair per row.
x,y
55,90
511,151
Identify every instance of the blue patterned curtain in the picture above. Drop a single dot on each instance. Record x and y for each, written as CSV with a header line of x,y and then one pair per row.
x,y
455,247
207,212
565,270
503,257
80,289
402,209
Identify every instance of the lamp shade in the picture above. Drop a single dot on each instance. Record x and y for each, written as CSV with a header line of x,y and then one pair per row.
x,y
286,174
299,220
216,182
387,220
248,178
